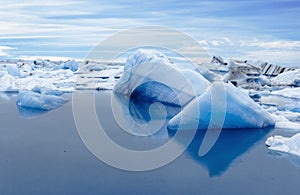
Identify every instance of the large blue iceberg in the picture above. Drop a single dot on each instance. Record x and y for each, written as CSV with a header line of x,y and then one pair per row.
x,y
239,111
149,73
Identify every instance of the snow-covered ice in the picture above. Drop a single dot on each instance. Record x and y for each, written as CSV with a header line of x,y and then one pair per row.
x,y
71,64
289,92
8,84
284,144
284,120
287,78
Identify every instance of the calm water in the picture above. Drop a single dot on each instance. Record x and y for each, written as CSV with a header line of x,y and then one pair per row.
x,y
45,155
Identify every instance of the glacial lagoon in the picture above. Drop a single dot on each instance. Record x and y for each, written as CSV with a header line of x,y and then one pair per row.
x,y
42,153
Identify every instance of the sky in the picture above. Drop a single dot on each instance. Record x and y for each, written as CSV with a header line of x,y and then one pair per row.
x,y
240,29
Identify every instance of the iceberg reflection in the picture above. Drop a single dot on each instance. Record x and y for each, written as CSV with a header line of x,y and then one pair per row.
x,y
231,144
30,113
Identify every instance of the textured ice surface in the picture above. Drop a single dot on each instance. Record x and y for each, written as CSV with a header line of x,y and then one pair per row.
x,y
153,68
240,111
289,92
287,78
30,99
284,144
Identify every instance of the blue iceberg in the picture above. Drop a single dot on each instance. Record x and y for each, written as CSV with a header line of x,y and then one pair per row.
x,y
70,64
34,100
149,74
46,91
239,111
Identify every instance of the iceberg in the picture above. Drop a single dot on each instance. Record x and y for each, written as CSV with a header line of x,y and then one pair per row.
x,y
18,75
285,121
30,99
46,91
13,70
151,75
284,144
8,84
71,64
240,111
287,78
289,92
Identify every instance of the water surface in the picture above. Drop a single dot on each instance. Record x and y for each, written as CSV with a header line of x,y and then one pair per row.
x,y
45,155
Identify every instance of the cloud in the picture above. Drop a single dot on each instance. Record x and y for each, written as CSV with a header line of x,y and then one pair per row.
x,y
3,50
37,27
285,58
53,58
279,44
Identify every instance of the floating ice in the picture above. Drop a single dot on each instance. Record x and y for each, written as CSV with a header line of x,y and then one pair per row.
x,y
24,75
8,84
71,64
287,78
285,144
289,92
282,121
30,99
13,70
209,75
46,91
150,72
240,110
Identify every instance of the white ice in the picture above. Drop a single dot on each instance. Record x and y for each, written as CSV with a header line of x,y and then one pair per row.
x,y
289,92
286,78
284,144
284,120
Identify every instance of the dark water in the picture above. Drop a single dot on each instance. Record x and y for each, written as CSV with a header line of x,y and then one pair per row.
x,y
45,155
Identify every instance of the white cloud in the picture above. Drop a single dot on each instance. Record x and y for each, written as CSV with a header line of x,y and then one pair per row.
x,y
3,50
280,44
290,58
53,58
203,42
228,41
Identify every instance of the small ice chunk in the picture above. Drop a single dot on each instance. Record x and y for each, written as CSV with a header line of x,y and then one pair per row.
x,y
71,64
13,70
30,99
284,144
282,122
8,84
